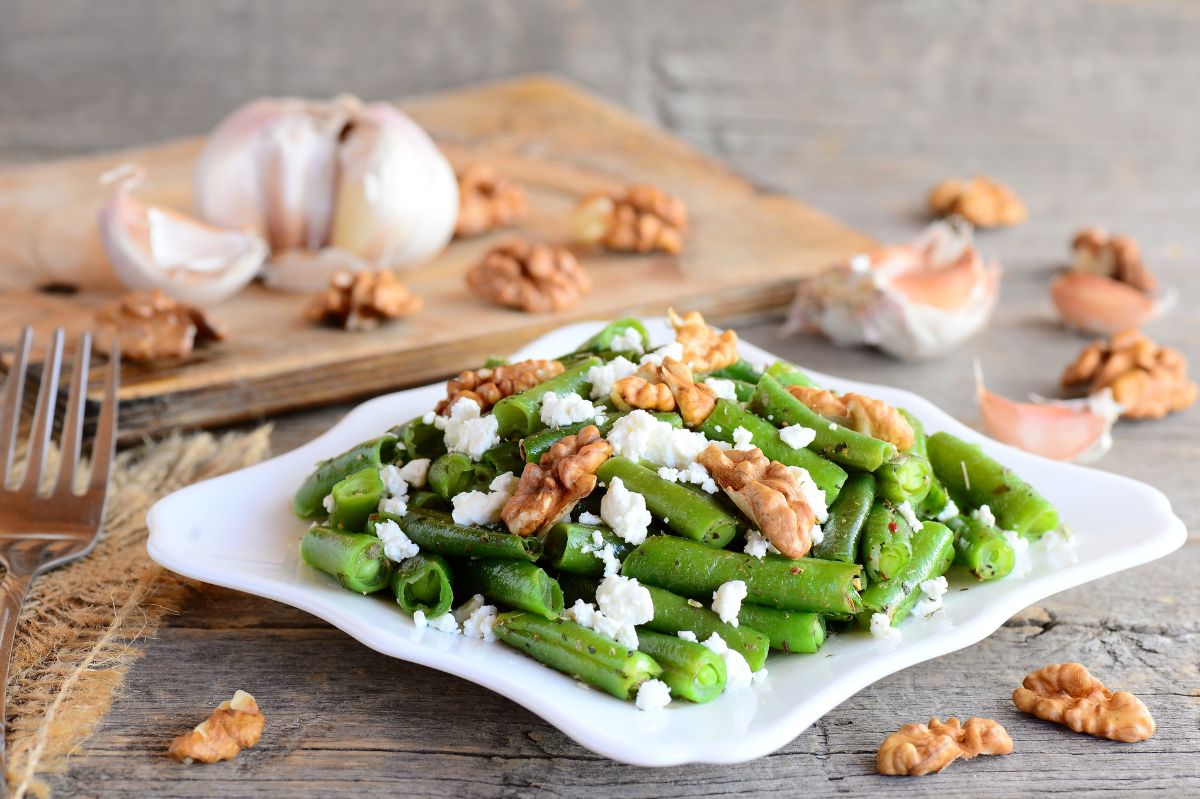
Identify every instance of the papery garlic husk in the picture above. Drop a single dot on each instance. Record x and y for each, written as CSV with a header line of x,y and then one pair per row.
x,y
1067,430
1099,304
156,248
912,301
363,178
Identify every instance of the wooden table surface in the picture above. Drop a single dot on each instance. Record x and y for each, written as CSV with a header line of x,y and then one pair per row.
x,y
1087,108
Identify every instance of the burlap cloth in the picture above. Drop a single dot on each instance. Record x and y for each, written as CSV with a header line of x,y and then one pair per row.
x,y
81,625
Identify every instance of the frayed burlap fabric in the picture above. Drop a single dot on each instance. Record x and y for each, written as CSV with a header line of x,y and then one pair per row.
x,y
81,624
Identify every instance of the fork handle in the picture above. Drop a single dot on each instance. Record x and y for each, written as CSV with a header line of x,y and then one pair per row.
x,y
12,595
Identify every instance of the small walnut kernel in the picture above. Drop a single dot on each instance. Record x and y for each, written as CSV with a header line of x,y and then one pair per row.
x,y
918,749
704,349
363,300
549,489
487,201
488,386
235,725
1118,257
767,492
694,400
981,201
1067,694
862,414
644,391
152,326
530,277
1147,380
645,219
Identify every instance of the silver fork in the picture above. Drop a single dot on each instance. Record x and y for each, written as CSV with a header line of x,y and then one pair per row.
x,y
40,531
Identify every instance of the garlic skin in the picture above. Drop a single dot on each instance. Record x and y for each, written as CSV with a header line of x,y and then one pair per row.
x,y
1077,430
1099,304
306,175
912,301
155,248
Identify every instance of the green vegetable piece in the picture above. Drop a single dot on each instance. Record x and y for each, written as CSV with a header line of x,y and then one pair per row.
x,y
693,671
673,613
904,478
920,445
569,547
789,374
505,457
422,440
435,531
520,414
935,501
741,369
536,444
514,583
787,630
886,542
981,549
355,498
693,515
847,515
427,499
455,473
933,549
309,500
492,361
355,559
422,582
602,341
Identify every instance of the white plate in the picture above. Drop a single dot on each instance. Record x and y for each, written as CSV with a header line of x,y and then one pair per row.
x,y
238,531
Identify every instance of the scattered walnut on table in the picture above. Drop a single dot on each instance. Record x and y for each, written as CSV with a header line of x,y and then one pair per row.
x,y
705,348
235,725
766,491
530,277
918,749
980,200
1116,256
363,300
1068,694
549,489
862,414
487,201
488,386
1149,381
152,326
644,219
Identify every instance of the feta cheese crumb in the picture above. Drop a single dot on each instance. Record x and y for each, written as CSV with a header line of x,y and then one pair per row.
x,y
586,517
759,676
464,611
419,619
480,623
727,601
813,495
724,389
816,534
603,376
653,695
797,436
476,507
672,350
947,513
757,545
833,425
933,591
687,635
393,483
984,514
445,623
628,340
737,670
468,432
396,506
693,473
582,613
742,438
561,410
396,545
429,417
905,509
638,436
415,472
881,627
327,503
1019,543
624,599
607,553
625,512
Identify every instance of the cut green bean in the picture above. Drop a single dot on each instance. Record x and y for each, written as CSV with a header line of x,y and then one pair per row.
x,y
454,473
517,584
355,559
695,570
886,542
693,671
789,374
697,516
536,444
422,439
578,652
981,549
787,630
935,501
492,361
505,457
520,414
904,478
920,442
602,341
847,515
933,549
434,531
673,613
354,499
427,499
741,369
570,547
308,502
974,479
422,582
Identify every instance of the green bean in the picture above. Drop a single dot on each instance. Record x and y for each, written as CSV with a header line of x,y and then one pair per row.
x,y
422,582
355,498
920,444
602,341
691,569
935,501
727,417
933,548
576,587
421,439
434,531
886,542
505,457
789,374
697,516
535,444
981,549
847,515
787,630
427,499
355,559
905,478
492,361
514,583
579,652
520,414
974,479
693,671
739,370
569,547
743,390
454,473
308,502
840,444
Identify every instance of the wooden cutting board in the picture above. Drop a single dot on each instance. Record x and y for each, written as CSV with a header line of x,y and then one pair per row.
x,y
745,250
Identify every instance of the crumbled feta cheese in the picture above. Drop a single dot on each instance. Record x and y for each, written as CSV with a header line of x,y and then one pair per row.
x,y
947,513
587,517
797,436
603,377
1018,543
687,635
468,432
813,495
759,676
833,425
931,602
638,436
757,545
881,627
737,670
396,506
415,472
607,553
628,340
653,695
724,389
624,599
672,350
727,601
582,613
445,623
984,514
476,507
396,545
905,509
743,438
816,534
625,512
693,473
505,483
429,417
419,619
464,611
393,483
561,410
481,623
327,503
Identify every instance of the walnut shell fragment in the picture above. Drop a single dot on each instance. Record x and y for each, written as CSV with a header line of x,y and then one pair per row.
x,y
918,749
705,348
549,489
644,219
363,300
152,326
1068,694
488,386
235,725
534,278
863,414
980,200
1147,380
487,201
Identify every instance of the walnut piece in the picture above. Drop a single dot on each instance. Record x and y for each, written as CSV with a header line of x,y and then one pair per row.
x,y
1067,694
152,326
665,388
766,491
862,414
235,725
642,390
644,219
704,348
362,300
488,386
487,201
981,201
918,749
1148,381
530,277
549,489
1118,257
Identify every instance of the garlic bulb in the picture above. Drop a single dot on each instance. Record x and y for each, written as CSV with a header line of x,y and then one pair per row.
x,y
156,248
341,174
910,300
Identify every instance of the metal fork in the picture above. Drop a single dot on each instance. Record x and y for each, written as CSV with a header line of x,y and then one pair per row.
x,y
42,530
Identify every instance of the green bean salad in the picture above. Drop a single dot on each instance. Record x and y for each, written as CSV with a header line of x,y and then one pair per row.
x,y
565,508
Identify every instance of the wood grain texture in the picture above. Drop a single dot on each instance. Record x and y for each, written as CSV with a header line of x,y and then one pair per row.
x,y
1088,108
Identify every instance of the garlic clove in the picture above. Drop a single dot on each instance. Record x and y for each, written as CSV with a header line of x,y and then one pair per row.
x,y
155,248
1099,304
310,271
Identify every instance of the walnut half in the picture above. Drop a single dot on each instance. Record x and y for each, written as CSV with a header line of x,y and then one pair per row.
x,y
1068,694
705,348
665,388
235,725
1116,256
918,749
152,326
530,277
644,219
363,300
981,201
862,414
487,201
1149,381
549,489
488,386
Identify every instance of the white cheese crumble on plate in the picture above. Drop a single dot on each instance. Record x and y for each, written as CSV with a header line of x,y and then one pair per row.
x,y
468,432
476,507
984,514
932,593
737,670
947,513
603,377
653,695
559,410
743,439
625,512
881,627
727,601
628,340
757,545
724,389
396,545
905,509
415,472
687,635
797,436
672,350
